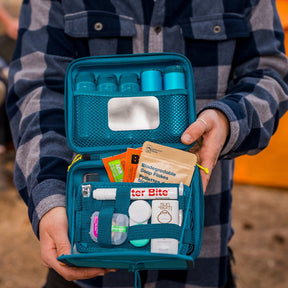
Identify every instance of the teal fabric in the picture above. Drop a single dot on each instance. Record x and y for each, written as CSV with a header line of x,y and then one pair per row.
x,y
96,140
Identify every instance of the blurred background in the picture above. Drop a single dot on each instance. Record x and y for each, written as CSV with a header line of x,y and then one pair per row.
x,y
259,215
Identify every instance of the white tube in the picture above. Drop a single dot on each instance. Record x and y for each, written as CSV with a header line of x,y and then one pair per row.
x,y
138,193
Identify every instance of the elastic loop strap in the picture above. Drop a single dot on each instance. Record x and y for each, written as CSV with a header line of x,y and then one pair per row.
x,y
122,201
104,226
151,231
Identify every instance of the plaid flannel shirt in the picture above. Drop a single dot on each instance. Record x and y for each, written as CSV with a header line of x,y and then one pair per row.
x,y
236,51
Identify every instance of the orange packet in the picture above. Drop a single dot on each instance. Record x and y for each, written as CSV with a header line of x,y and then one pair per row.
x,y
131,164
115,166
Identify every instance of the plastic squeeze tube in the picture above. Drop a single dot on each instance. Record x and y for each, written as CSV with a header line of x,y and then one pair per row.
x,y
138,193
84,82
151,80
174,78
128,82
107,83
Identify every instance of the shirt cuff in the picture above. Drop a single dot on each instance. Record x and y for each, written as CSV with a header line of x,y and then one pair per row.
x,y
46,196
231,141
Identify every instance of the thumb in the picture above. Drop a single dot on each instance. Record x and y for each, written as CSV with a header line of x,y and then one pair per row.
x,y
194,131
60,234
63,246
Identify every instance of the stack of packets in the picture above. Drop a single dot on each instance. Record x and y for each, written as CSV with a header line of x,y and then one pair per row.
x,y
153,163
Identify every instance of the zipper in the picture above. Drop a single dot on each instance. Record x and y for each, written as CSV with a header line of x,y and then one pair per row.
x,y
76,159
206,170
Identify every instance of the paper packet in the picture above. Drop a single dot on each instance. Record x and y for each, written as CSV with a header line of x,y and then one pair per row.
x,y
115,166
162,164
131,164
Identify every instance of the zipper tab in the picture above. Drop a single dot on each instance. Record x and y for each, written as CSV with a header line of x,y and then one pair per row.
x,y
206,170
76,158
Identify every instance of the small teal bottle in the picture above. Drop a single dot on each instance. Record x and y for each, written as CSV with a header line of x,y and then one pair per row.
x,y
85,82
174,78
129,82
107,83
151,80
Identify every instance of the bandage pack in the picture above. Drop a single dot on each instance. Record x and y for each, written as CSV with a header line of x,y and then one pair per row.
x,y
134,195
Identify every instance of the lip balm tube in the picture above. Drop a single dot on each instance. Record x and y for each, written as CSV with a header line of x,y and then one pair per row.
x,y
181,189
174,78
138,193
84,82
165,211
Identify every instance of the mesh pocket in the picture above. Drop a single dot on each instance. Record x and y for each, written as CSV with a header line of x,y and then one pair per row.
x,y
91,128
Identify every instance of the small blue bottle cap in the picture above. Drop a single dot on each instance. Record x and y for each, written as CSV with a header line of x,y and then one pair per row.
x,y
151,80
174,77
107,82
129,82
86,81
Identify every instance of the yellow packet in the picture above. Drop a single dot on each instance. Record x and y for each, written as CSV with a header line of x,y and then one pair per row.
x,y
162,164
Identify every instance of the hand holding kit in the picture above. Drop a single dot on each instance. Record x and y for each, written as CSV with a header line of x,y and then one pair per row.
x,y
134,198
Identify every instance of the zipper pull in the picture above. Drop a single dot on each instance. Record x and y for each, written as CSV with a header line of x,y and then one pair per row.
x,y
206,170
76,158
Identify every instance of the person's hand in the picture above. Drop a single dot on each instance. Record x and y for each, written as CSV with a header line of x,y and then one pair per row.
x,y
210,130
54,242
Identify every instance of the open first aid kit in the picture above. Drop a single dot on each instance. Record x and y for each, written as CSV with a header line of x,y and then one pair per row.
x,y
142,102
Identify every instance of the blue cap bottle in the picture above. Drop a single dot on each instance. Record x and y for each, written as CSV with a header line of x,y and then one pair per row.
x,y
174,77
85,81
151,80
107,83
128,82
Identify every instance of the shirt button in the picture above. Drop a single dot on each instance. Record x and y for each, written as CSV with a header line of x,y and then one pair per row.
x,y
157,29
98,26
217,29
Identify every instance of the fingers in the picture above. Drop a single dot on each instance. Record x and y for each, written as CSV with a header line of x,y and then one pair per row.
x,y
54,242
209,131
194,131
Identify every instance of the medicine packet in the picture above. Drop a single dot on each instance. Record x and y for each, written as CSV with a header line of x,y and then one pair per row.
x,y
115,166
162,164
131,164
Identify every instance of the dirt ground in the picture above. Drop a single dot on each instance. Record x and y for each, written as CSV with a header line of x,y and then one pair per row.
x,y
260,243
